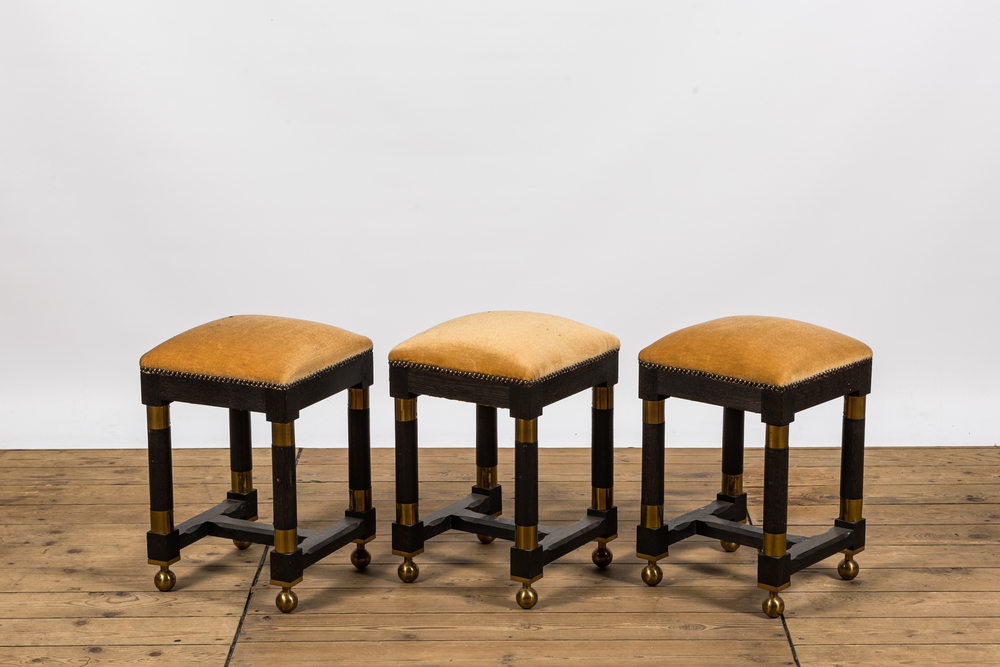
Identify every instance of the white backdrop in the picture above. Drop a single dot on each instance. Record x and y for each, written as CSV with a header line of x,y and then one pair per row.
x,y
385,167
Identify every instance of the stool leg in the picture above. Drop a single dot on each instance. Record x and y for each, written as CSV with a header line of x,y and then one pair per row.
x,y
602,464
162,540
525,561
486,453
407,496
286,559
241,458
774,563
732,461
852,477
653,442
359,468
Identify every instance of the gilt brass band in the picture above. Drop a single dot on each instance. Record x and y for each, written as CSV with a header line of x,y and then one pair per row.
x,y
406,409
850,510
602,499
854,407
775,544
157,417
526,430
357,399
286,541
283,435
777,437
652,516
360,500
407,513
242,481
732,485
604,398
525,537
486,477
161,522
652,412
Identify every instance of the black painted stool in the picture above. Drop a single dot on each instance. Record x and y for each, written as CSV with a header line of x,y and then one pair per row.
x,y
521,362
774,367
278,366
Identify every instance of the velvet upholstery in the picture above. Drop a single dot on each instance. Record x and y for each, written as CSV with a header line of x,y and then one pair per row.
x,y
257,349
512,345
766,351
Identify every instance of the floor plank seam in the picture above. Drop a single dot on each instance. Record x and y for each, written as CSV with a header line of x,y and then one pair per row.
x,y
791,644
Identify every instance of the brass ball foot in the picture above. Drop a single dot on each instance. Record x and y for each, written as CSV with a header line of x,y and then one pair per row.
x,y
773,606
408,570
602,556
485,539
241,545
286,601
165,579
526,597
848,569
361,557
729,546
652,574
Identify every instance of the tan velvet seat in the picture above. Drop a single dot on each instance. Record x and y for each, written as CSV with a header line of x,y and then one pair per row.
x,y
512,345
764,351
776,368
520,362
255,349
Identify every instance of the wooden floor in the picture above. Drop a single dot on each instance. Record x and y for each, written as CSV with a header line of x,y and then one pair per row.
x,y
75,588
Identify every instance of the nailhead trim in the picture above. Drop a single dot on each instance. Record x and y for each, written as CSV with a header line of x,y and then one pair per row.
x,y
250,383
499,378
749,383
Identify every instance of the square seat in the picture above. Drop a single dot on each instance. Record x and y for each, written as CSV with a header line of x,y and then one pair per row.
x,y
776,368
520,362
277,366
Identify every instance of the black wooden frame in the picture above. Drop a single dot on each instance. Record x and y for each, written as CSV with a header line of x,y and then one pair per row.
x,y
722,518
479,511
234,518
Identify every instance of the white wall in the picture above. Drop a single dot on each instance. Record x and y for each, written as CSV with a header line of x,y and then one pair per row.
x,y
386,167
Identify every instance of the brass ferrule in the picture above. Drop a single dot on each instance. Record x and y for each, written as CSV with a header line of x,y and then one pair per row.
x,y
406,409
602,499
850,510
526,430
774,589
357,399
486,477
286,584
525,537
854,407
732,485
242,481
157,417
777,437
604,398
407,513
164,563
286,541
161,522
652,516
652,412
775,544
283,435
360,500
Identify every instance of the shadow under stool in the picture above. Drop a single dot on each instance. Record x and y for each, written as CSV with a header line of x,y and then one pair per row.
x,y
520,362
277,366
776,368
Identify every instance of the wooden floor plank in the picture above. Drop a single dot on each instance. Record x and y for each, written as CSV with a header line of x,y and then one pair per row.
x,y
102,655
846,655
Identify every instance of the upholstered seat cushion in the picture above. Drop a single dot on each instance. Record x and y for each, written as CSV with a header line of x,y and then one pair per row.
x,y
255,349
510,345
766,351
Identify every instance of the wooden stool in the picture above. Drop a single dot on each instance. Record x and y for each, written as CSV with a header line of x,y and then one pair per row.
x,y
278,366
521,362
774,367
